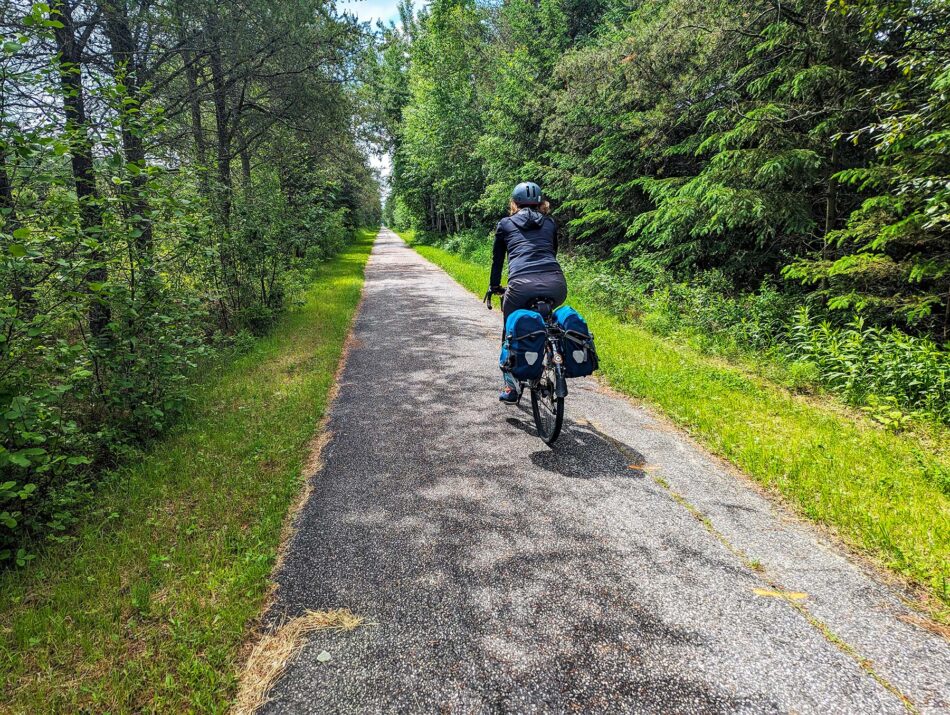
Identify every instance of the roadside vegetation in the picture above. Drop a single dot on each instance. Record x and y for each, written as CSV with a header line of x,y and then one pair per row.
x,y
147,604
903,383
165,189
765,179
883,491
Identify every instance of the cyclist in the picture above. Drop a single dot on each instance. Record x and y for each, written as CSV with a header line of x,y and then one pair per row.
x,y
528,236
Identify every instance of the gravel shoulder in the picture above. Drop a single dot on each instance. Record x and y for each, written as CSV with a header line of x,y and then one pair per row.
x,y
624,570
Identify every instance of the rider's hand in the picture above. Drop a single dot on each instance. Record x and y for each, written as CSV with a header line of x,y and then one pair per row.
x,y
497,290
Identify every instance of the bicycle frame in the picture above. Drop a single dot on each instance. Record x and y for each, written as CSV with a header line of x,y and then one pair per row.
x,y
554,356
553,360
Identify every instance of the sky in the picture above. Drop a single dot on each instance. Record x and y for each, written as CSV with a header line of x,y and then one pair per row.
x,y
382,163
372,10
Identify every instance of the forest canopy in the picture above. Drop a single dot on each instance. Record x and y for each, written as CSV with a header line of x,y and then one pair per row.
x,y
801,141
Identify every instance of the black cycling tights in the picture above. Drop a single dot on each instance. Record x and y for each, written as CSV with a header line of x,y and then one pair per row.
x,y
524,289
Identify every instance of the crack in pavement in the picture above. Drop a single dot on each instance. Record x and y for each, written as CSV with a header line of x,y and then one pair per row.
x,y
793,598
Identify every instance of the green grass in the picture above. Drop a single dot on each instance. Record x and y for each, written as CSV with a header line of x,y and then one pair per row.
x,y
148,606
883,493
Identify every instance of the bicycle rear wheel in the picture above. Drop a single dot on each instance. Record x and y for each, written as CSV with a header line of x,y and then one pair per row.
x,y
547,407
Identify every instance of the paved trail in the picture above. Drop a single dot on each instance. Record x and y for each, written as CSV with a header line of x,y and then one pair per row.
x,y
502,576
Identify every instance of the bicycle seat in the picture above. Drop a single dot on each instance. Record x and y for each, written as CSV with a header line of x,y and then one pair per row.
x,y
545,306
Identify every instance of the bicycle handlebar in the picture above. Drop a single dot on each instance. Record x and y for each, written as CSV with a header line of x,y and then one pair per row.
x,y
498,290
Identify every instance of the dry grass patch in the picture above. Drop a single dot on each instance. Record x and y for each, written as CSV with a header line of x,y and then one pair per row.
x,y
273,652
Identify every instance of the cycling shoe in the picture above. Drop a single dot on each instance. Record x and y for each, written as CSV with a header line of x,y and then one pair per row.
x,y
509,396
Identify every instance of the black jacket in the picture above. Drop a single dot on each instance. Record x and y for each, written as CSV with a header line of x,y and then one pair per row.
x,y
530,240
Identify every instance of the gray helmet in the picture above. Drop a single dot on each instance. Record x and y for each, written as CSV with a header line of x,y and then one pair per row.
x,y
527,193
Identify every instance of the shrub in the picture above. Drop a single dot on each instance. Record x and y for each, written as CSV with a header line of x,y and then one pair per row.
x,y
473,244
868,365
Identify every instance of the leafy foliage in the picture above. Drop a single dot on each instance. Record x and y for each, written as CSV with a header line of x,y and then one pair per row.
x,y
715,157
164,181
875,366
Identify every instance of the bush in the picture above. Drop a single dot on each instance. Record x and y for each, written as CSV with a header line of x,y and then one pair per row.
x,y
69,407
869,365
472,244
72,404
801,375
705,308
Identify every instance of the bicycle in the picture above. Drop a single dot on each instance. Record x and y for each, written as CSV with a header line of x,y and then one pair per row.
x,y
550,389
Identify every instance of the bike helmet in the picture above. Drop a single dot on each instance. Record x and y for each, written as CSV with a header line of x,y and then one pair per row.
x,y
527,193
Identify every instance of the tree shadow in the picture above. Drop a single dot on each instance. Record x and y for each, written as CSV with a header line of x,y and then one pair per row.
x,y
487,589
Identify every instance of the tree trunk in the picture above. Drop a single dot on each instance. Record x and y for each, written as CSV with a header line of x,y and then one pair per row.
x,y
20,287
69,59
129,72
223,190
831,203
222,130
245,162
197,128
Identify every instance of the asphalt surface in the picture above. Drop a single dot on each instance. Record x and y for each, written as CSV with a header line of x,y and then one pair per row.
x,y
499,575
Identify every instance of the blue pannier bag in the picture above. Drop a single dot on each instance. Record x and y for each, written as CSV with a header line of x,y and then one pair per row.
x,y
580,357
523,351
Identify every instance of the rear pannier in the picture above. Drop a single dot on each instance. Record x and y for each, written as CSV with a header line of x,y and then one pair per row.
x,y
580,357
523,352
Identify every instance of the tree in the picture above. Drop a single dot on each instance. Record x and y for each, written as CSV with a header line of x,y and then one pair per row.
x,y
124,261
892,255
435,171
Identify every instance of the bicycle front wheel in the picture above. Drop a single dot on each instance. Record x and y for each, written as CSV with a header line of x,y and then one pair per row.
x,y
548,409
